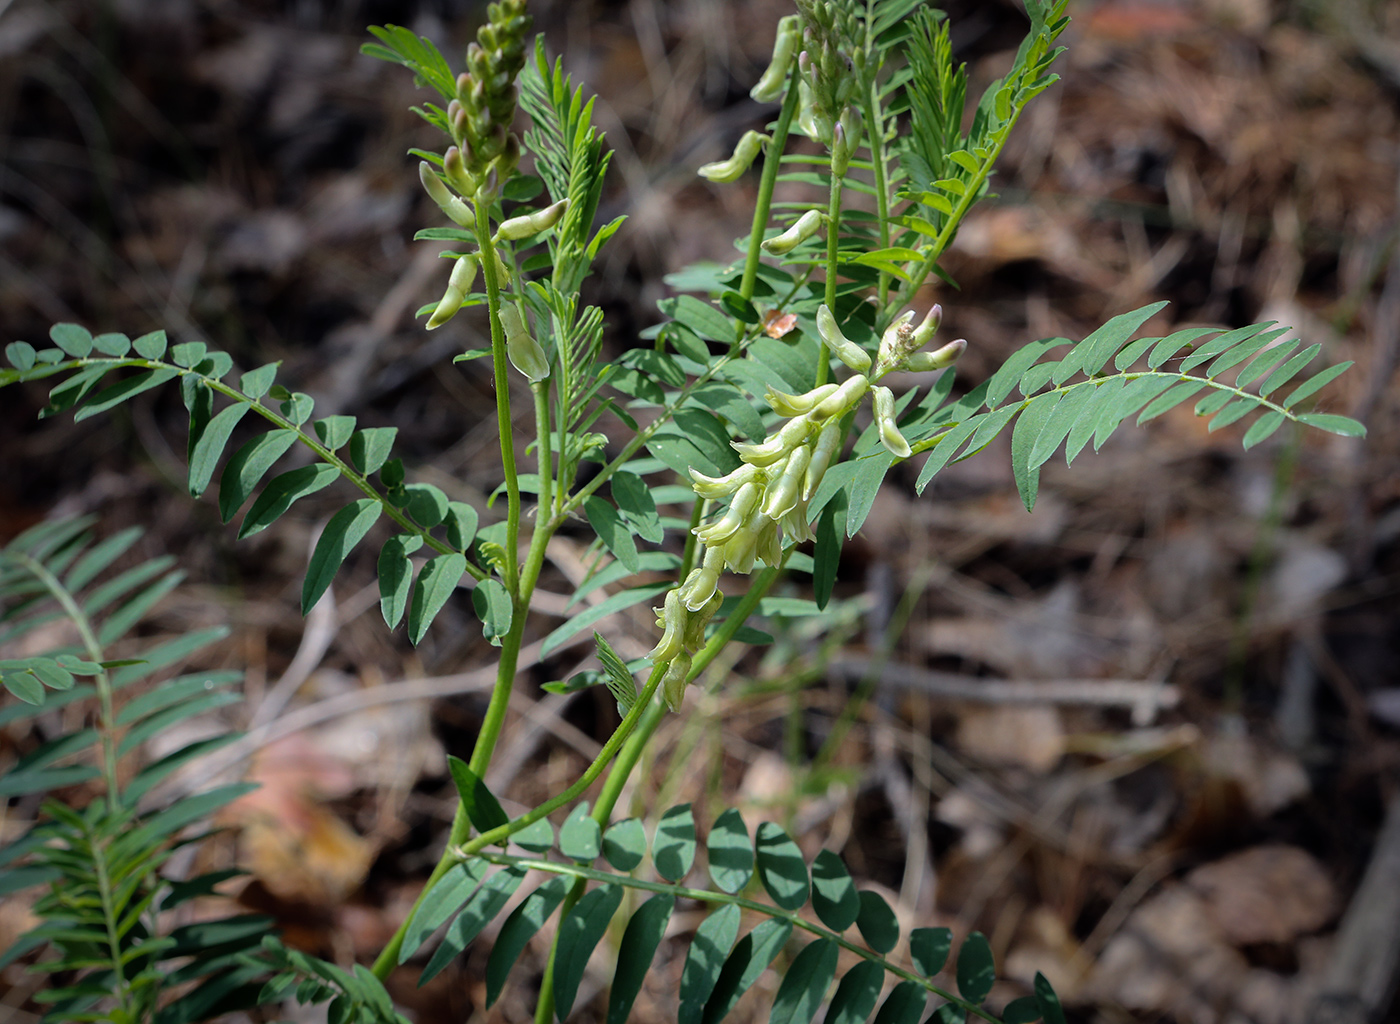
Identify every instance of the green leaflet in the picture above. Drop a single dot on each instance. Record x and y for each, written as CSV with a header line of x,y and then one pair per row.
x,y
704,961
370,448
904,1004
639,943
856,995
524,921
580,837
479,911
730,852
781,868
479,803
805,983
448,894
877,922
834,896
435,583
612,531
976,970
579,932
749,958
673,848
929,949
248,466
281,492
395,577
345,529
493,606
624,844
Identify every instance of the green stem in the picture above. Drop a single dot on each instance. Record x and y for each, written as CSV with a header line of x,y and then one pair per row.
x,y
875,132
107,718
546,456
499,364
772,160
833,241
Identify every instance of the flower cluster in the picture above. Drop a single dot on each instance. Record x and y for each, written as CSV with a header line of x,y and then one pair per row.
x,y
769,493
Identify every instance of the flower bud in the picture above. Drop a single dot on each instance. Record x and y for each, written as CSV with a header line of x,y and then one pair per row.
x,y
674,681
845,138
695,623
786,493
459,286
454,166
769,545
740,550
673,622
744,153
895,341
456,210
805,227
828,441
847,395
769,88
846,350
890,436
525,352
745,499
924,333
807,109
939,359
532,223
785,404
718,487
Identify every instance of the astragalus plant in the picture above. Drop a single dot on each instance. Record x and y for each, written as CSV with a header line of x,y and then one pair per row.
x,y
766,400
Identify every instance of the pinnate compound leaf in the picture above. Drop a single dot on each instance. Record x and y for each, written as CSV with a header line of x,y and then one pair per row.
x,y
805,983
1170,399
481,806
730,852
639,942
904,1004
976,969
834,896
673,848
1010,372
580,837
480,910
447,895
929,949
781,867
346,529
704,961
877,922
749,958
24,684
624,844
248,465
395,578
579,933
522,924
619,680
493,607
856,995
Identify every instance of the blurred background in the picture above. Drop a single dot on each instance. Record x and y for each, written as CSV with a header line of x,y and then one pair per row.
x,y
1144,738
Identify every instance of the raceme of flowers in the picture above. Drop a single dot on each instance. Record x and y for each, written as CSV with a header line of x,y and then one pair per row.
x,y
769,493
